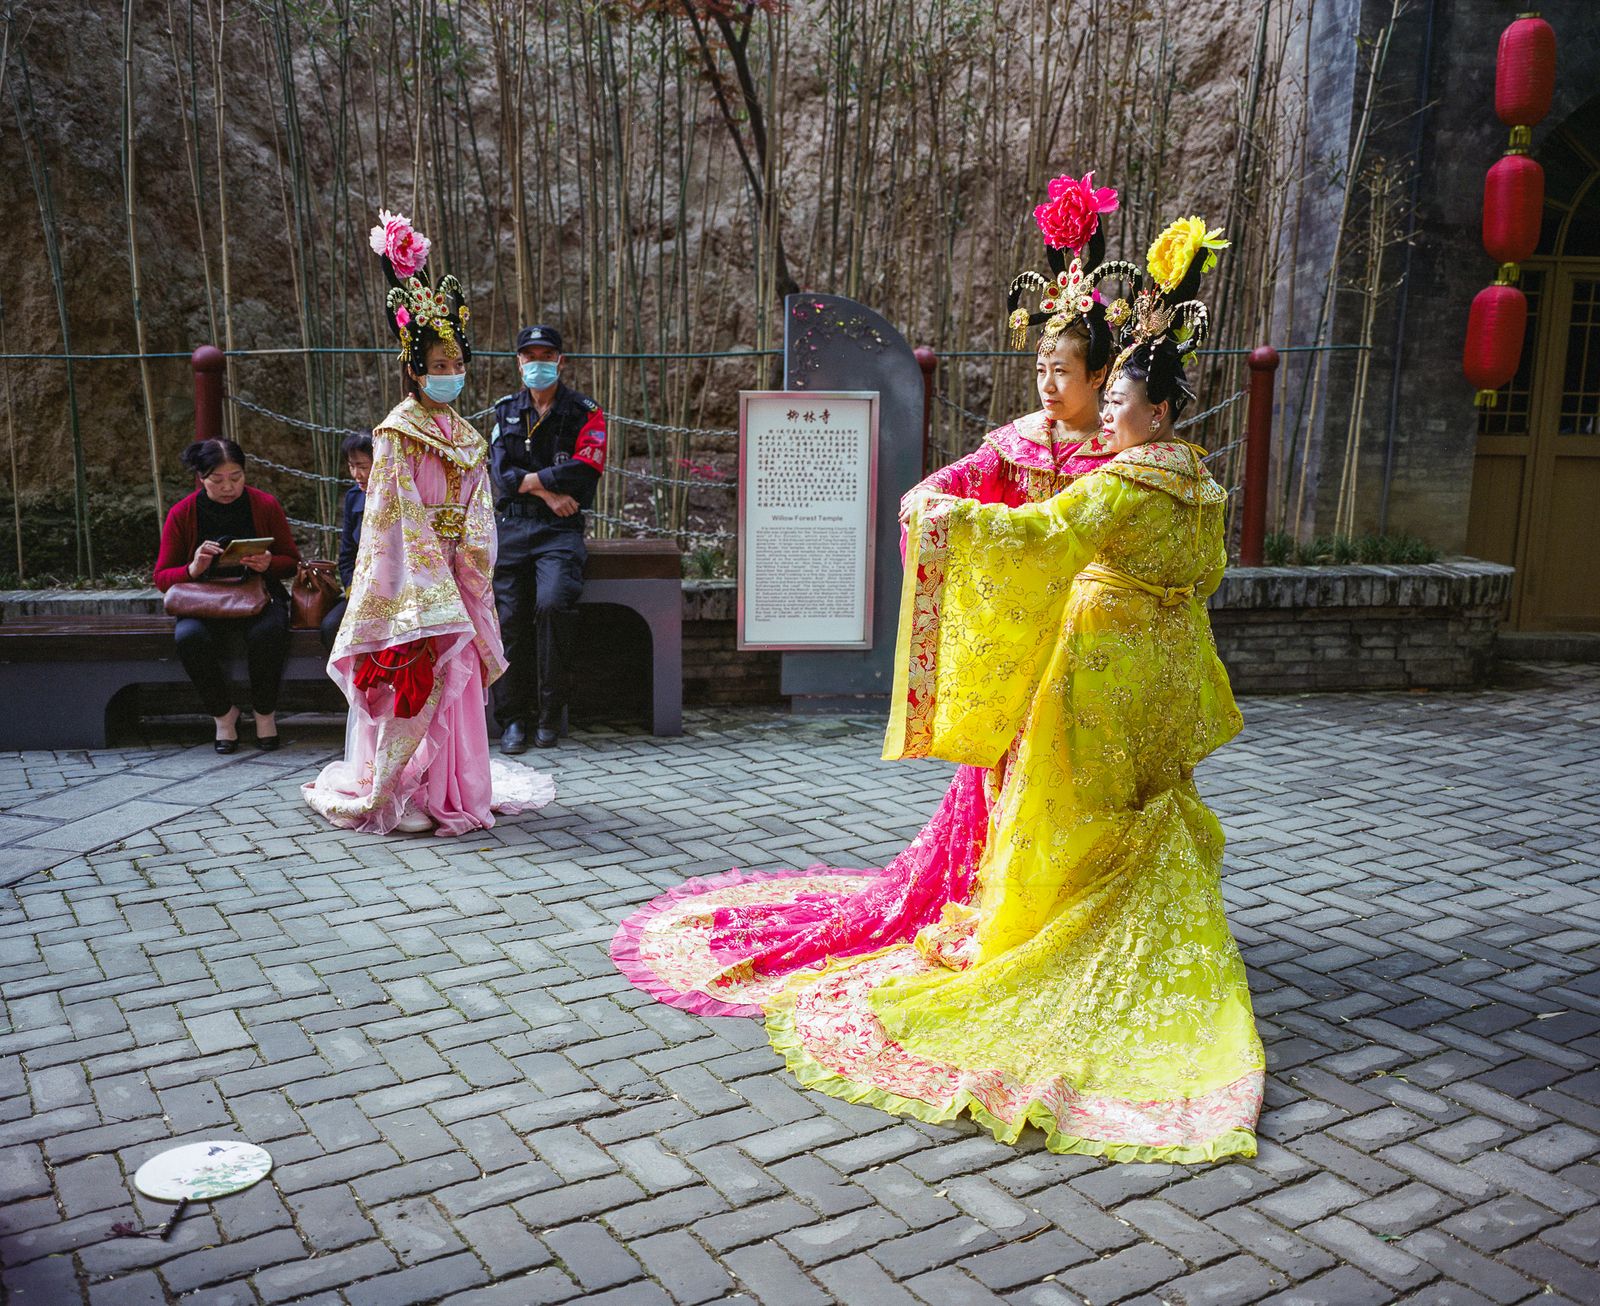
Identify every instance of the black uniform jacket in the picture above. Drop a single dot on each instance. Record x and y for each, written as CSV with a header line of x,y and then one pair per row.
x,y
567,449
355,508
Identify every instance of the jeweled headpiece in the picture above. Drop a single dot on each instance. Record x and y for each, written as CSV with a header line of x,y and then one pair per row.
x,y
1070,223
416,308
1164,323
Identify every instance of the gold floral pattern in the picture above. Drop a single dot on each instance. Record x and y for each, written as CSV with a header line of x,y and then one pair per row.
x,y
833,1041
1068,638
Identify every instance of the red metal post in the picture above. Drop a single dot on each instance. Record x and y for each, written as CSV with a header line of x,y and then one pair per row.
x,y
208,363
1257,455
928,361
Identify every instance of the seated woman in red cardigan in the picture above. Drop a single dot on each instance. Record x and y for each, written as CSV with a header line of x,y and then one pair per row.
x,y
223,508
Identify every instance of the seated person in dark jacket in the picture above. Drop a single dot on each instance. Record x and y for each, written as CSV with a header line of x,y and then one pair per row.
x,y
223,509
357,450
546,454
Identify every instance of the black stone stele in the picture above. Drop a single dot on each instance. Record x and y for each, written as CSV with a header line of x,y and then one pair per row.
x,y
834,343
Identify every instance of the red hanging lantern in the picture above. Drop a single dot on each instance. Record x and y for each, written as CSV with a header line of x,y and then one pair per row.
x,y
1495,328
1525,72
1513,206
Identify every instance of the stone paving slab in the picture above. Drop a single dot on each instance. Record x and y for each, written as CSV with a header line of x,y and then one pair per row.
x,y
467,1105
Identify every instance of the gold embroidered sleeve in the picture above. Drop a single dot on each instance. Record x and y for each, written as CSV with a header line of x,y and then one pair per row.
x,y
986,586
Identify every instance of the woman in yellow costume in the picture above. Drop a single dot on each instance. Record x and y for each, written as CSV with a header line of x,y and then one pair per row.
x,y
1092,986
720,945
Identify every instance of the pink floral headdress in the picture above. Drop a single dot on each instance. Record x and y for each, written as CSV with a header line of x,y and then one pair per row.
x,y
1072,213
1070,223
414,305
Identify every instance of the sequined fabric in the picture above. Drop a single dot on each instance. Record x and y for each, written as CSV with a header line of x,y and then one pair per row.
x,y
1093,987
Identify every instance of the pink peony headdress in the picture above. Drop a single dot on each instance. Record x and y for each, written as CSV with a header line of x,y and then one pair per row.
x,y
1070,223
416,307
1072,213
406,248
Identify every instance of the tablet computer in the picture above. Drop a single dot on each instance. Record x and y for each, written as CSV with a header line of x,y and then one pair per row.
x,y
238,550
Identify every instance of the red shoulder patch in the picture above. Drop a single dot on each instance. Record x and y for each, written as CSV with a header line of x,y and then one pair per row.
x,y
591,443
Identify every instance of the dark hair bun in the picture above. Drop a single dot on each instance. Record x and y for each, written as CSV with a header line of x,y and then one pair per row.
x,y
1159,368
1098,354
204,456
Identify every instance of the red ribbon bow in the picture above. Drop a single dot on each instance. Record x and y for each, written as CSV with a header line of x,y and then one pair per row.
x,y
406,668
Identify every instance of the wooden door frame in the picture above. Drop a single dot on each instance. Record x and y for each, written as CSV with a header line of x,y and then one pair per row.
x,y
1537,456
1544,417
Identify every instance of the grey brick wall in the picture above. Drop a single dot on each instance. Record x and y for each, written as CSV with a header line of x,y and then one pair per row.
x,y
1283,630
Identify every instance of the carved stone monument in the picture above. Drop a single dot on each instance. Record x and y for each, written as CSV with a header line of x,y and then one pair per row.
x,y
833,343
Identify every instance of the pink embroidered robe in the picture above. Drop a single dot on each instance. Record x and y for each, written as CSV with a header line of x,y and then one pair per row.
x,y
424,571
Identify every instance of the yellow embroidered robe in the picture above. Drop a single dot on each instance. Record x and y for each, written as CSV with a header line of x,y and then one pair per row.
x,y
1103,997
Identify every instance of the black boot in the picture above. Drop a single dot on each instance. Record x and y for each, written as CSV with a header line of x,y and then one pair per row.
x,y
514,739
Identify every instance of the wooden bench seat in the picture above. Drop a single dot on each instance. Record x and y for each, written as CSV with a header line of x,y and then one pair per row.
x,y
59,674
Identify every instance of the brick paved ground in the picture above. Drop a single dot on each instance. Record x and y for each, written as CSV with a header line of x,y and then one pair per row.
x,y
466,1104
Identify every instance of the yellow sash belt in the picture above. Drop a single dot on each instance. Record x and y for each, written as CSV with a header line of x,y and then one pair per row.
x,y
1116,578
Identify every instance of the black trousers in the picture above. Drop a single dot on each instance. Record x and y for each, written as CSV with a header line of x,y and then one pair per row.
x,y
329,630
204,643
538,579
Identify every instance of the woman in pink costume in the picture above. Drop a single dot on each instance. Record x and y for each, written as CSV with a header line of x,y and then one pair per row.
x,y
719,945
420,643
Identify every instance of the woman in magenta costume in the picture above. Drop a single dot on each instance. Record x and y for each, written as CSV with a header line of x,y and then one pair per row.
x,y
718,945
420,644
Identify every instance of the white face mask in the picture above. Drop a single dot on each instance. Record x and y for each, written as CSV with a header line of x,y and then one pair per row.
x,y
541,375
444,389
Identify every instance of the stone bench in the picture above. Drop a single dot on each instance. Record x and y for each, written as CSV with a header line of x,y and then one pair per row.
x,y
61,667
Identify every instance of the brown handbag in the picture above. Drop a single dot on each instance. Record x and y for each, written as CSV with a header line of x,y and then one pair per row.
x,y
315,590
224,599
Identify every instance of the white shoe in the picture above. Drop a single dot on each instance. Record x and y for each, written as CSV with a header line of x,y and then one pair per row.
x,y
414,822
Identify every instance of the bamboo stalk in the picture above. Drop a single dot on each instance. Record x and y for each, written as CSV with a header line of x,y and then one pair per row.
x,y
216,27
1357,151
11,427
128,183
5,362
191,152
44,196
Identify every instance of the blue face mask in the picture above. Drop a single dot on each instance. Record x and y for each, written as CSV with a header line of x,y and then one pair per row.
x,y
540,376
444,389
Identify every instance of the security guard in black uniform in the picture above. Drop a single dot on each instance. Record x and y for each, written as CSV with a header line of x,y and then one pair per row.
x,y
546,454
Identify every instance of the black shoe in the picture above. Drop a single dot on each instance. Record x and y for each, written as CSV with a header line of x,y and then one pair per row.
x,y
514,739
545,737
226,746
269,743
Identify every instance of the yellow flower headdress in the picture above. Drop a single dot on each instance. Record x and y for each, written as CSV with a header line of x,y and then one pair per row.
x,y
1176,249
1165,314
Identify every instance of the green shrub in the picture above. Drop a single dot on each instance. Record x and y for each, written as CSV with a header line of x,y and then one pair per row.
x,y
705,563
1283,550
